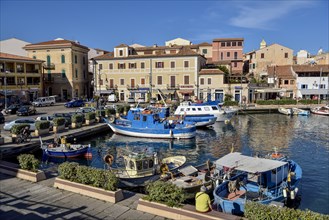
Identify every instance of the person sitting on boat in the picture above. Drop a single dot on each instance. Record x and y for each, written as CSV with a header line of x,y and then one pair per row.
x,y
202,201
63,140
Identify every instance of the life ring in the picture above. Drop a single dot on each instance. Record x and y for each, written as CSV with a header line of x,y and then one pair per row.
x,y
108,159
111,119
146,112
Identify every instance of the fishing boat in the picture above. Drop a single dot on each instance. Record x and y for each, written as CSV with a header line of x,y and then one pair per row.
x,y
191,178
147,123
138,168
285,111
324,110
66,150
298,111
205,109
263,180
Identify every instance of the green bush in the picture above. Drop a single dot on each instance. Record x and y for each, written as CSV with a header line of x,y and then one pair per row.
x,y
231,103
110,111
277,102
90,115
41,125
16,129
59,121
87,175
77,118
100,113
68,171
255,210
28,162
307,101
165,192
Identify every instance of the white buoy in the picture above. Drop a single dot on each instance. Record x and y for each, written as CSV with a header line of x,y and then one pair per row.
x,y
292,194
284,191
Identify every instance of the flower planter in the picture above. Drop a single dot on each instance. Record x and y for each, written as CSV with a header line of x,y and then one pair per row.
x,y
14,170
90,122
187,212
58,128
41,132
76,125
94,192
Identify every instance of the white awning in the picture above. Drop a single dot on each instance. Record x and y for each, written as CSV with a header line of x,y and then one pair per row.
x,y
270,90
248,164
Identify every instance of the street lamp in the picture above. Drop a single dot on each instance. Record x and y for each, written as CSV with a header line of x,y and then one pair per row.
x,y
6,88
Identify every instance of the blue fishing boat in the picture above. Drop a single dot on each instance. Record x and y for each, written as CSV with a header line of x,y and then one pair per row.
x,y
151,123
66,150
298,111
263,180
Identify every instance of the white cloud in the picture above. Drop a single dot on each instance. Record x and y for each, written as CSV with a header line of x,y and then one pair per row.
x,y
263,15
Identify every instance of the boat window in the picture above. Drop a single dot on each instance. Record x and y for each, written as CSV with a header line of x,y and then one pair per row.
x,y
136,117
145,164
144,117
150,163
182,109
131,165
193,109
188,109
214,107
206,108
139,165
199,109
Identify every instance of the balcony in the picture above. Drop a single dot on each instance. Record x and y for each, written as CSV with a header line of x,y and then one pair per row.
x,y
131,87
48,66
172,87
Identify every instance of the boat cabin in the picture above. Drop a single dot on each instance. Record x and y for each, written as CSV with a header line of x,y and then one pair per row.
x,y
139,165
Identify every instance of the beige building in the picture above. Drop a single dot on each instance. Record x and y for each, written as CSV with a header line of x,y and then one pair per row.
x,y
66,67
20,78
272,55
213,87
139,72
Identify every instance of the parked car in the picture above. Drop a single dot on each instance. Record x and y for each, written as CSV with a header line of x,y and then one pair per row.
x,y
26,110
44,101
29,121
12,109
67,117
2,118
85,110
74,103
46,118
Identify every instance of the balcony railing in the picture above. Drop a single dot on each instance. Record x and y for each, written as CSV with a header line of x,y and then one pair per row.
x,y
172,87
48,66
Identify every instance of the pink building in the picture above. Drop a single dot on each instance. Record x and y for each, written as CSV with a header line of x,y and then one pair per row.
x,y
231,50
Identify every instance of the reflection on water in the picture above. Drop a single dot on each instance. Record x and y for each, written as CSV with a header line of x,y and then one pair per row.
x,y
303,139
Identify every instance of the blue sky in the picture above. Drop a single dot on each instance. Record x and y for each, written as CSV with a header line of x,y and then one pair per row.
x,y
301,24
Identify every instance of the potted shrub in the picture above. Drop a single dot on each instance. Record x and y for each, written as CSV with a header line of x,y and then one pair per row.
x,y
77,120
99,115
109,112
92,182
27,168
59,124
90,118
16,129
42,127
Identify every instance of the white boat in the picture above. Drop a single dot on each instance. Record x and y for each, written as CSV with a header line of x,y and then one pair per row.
x,y
285,111
205,109
298,111
324,110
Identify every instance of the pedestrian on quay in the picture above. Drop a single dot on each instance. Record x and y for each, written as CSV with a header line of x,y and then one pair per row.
x,y
202,201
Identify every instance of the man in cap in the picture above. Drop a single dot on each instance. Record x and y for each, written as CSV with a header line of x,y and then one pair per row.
x,y
202,201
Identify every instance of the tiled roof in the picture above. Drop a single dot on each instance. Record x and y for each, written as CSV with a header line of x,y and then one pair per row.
x,y
122,45
54,43
283,72
227,39
311,68
16,57
185,51
210,72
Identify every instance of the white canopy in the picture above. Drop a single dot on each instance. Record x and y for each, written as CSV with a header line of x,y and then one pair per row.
x,y
248,164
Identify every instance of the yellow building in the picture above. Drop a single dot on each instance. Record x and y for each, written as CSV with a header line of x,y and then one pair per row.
x,y
20,78
66,67
136,72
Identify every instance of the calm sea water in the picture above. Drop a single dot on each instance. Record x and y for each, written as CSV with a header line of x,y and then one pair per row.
x,y
303,139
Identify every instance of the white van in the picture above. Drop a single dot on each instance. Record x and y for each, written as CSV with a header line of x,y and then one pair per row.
x,y
112,98
44,101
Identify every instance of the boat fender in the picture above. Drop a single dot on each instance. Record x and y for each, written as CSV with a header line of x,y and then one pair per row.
x,y
292,194
111,119
284,191
171,133
227,121
108,159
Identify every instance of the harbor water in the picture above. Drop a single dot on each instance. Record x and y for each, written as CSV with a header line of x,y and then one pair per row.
x,y
303,139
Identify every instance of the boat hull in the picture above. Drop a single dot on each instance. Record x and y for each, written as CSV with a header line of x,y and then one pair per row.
x,y
188,132
67,154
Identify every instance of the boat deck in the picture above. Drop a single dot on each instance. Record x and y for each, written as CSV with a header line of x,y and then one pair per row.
x,y
235,195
